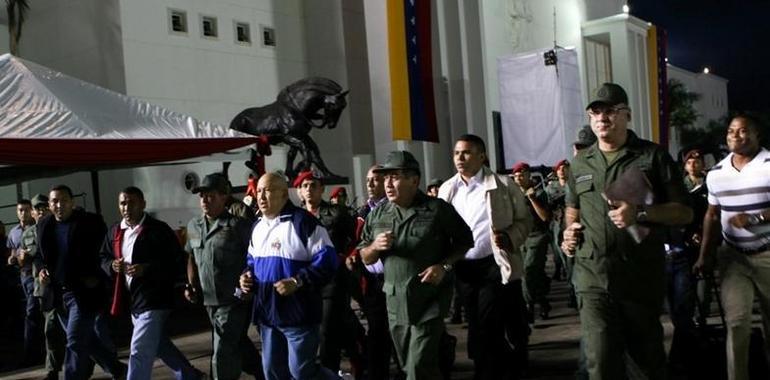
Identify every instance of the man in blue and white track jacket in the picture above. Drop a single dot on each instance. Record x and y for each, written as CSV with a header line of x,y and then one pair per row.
x,y
290,258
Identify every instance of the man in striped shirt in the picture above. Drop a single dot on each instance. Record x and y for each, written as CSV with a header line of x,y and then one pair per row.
x,y
739,203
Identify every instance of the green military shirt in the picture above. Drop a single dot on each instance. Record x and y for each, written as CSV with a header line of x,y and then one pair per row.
x,y
689,184
220,255
340,225
425,234
29,242
608,260
539,226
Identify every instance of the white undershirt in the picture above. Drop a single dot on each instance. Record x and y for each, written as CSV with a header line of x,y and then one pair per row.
x,y
129,238
470,201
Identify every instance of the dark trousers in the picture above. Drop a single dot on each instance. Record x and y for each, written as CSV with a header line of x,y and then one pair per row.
x,y
379,346
338,329
484,304
516,324
681,304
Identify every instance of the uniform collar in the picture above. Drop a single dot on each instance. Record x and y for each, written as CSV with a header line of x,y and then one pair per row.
x,y
124,225
632,145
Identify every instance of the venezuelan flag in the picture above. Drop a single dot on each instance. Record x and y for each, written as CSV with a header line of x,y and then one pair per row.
x,y
413,109
658,82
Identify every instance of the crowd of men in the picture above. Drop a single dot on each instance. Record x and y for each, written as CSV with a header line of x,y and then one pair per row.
x,y
627,231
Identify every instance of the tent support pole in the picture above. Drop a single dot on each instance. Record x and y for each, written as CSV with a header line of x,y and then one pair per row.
x,y
95,191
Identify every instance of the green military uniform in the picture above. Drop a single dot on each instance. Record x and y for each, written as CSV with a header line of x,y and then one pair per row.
x,y
336,332
537,285
425,234
52,329
219,249
689,184
556,193
620,283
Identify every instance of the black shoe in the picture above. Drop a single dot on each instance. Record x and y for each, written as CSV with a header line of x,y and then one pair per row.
x,y
52,375
544,310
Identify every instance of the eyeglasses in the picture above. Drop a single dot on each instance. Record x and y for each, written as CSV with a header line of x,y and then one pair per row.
x,y
609,111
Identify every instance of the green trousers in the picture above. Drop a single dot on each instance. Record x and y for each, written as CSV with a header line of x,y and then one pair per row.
x,y
616,329
417,348
537,285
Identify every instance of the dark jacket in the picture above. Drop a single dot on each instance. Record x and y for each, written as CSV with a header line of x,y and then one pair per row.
x,y
82,274
158,248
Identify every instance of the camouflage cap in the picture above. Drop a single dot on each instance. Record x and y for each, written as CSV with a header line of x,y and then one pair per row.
x,y
214,181
609,94
399,160
39,200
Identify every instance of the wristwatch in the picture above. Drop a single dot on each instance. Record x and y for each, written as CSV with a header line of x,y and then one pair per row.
x,y
641,214
297,281
755,219
447,267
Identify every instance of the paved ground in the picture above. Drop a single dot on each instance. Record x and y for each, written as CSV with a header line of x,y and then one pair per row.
x,y
553,345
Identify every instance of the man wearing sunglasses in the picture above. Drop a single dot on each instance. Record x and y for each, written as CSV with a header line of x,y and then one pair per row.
x,y
619,278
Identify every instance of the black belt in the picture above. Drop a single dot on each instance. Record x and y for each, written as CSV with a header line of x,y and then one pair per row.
x,y
750,252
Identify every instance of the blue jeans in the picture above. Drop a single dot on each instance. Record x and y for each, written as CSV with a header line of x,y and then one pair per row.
x,y
681,303
87,335
148,341
290,352
32,319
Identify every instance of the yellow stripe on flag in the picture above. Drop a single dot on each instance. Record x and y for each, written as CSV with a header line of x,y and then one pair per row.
x,y
400,114
652,68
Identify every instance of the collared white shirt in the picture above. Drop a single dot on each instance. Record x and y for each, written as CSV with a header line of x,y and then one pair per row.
x,y
130,233
470,201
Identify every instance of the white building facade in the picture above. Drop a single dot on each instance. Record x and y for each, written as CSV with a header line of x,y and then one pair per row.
x,y
211,59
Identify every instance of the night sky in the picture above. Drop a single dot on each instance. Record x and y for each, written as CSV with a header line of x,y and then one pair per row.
x,y
728,36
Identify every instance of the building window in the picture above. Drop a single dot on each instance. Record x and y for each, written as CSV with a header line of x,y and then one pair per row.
x,y
209,26
242,33
177,21
268,36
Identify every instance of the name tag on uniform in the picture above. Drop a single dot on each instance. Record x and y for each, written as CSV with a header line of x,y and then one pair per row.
x,y
583,178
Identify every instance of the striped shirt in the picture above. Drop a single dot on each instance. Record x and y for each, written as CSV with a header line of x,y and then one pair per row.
x,y
744,191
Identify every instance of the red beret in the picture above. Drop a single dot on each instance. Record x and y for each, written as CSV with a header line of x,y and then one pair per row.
x,y
302,176
520,167
695,153
339,190
560,164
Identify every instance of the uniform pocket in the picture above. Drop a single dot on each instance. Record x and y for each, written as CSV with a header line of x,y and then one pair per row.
x,y
584,187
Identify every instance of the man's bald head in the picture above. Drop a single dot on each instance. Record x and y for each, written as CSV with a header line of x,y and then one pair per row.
x,y
272,194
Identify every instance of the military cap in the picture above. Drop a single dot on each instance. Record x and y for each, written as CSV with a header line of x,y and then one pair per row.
x,y
339,190
585,137
520,167
39,200
302,176
435,182
399,160
609,94
695,153
213,182
560,164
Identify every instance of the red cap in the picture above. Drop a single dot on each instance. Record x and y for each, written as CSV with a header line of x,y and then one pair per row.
x,y
560,164
520,167
302,176
339,190
695,153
